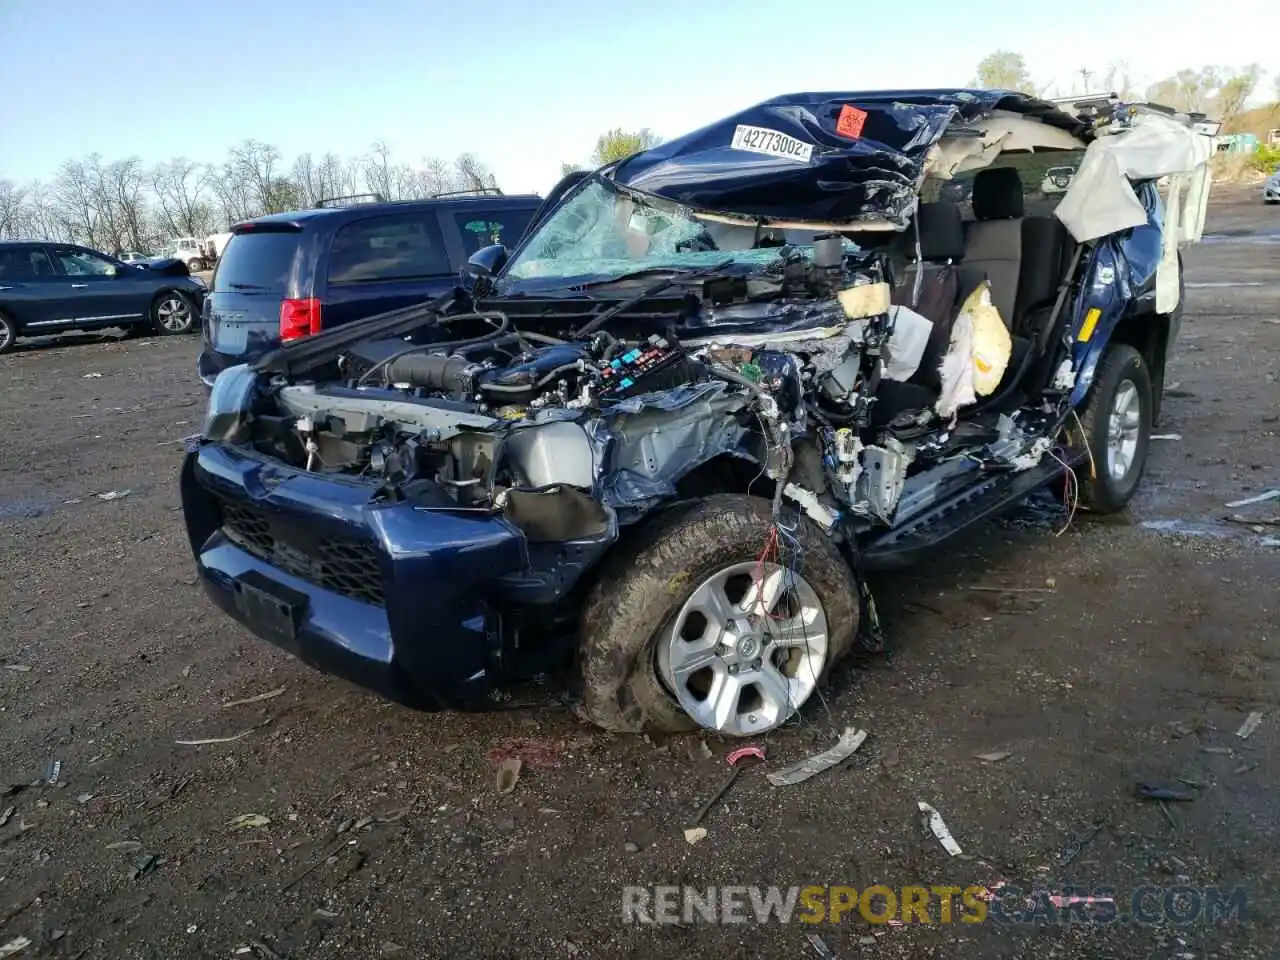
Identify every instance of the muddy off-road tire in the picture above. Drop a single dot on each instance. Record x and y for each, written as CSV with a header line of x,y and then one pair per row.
x,y
1117,428
644,585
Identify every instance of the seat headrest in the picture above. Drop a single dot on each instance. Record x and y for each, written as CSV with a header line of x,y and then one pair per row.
x,y
941,229
997,194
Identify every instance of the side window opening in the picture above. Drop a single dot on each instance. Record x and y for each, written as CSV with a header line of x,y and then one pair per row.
x,y
384,249
483,228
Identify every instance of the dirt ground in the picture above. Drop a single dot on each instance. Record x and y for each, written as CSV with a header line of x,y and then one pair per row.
x,y
1126,649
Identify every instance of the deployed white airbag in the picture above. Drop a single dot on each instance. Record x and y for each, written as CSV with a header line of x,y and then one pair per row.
x,y
907,343
1101,201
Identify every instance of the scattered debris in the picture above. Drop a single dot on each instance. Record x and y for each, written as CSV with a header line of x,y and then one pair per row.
x,y
55,773
144,865
231,739
995,756
1149,791
6,815
698,750
324,914
14,946
1060,900
1246,767
269,695
1166,436
85,798
1260,498
1049,589
1178,729
1076,843
509,774
1258,522
1269,542
92,376
248,821
733,759
1220,750
1192,783
1250,724
847,745
132,846
694,834
934,824
631,846
316,864
18,667
263,949
113,495
820,946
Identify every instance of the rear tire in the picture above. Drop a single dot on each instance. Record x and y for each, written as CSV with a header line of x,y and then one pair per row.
x,y
8,334
643,590
194,266
173,313
1117,430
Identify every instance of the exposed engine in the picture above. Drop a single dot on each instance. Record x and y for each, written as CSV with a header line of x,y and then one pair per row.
x,y
557,430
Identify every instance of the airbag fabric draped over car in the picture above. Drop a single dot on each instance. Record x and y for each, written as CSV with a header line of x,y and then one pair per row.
x,y
855,158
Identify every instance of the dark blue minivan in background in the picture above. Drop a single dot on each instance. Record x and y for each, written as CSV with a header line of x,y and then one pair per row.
x,y
289,275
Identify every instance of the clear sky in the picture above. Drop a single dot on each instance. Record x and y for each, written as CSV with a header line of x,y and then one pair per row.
x,y
529,84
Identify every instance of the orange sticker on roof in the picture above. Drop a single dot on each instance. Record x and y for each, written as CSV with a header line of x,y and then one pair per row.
x,y
849,124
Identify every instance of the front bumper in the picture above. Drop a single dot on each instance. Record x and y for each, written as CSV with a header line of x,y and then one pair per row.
x,y
395,598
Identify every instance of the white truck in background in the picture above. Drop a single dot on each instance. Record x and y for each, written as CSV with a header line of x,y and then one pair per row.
x,y
199,254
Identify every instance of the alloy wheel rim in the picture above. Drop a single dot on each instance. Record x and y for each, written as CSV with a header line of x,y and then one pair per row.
x,y
175,315
746,649
6,333
1124,427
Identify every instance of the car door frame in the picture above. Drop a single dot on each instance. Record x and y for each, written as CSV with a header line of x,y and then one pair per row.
x,y
452,233
394,294
92,317
27,307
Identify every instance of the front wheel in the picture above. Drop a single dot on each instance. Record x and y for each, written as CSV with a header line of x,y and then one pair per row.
x,y
1117,430
194,266
713,618
173,313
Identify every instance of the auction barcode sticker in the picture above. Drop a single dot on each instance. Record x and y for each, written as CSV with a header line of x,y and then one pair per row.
x,y
772,142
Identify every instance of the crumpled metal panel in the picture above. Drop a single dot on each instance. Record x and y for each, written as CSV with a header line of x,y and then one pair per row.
x,y
649,442
836,157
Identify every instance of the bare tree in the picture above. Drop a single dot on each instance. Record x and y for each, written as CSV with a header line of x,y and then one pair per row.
x,y
75,202
123,205
13,209
472,174
255,165
1234,91
1219,91
181,189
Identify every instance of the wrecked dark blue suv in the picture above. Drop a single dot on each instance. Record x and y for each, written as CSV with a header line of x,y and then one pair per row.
x,y
665,436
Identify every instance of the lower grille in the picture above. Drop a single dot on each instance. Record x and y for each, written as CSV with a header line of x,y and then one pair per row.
x,y
348,567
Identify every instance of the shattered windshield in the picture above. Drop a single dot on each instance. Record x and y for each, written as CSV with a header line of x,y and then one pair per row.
x,y
603,232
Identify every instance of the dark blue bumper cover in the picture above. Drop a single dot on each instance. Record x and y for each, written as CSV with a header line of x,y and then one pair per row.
x,y
392,597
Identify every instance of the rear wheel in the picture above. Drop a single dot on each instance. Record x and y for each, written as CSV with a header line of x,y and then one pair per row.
x,y
193,266
8,334
1117,429
173,313
699,624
